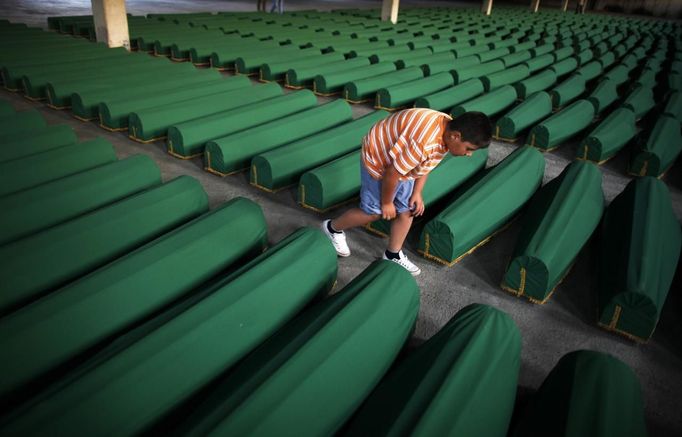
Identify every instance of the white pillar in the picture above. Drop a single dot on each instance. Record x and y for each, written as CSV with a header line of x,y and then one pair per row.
x,y
564,7
111,22
389,10
534,5
487,7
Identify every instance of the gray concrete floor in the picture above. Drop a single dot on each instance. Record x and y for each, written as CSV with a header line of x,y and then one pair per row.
x,y
566,323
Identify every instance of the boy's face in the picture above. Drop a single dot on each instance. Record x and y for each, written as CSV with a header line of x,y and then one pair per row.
x,y
453,141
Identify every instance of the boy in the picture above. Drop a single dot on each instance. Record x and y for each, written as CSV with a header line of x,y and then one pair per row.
x,y
397,155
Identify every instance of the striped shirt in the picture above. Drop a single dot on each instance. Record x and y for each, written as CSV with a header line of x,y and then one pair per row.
x,y
411,140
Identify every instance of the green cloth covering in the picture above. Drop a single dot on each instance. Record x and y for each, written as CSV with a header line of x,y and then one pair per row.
x,y
541,50
333,82
562,68
461,52
282,166
417,61
300,77
23,122
330,184
449,97
153,123
604,95
187,139
333,354
30,171
553,131
86,104
611,135
559,221
587,393
563,53
365,89
673,105
46,334
275,70
584,56
114,113
233,153
29,211
515,58
538,82
505,77
82,244
607,59
451,173
639,250
640,101
539,63
462,381
150,377
525,46
532,110
568,90
590,70
6,108
505,43
493,54
483,208
400,95
490,103
647,78
37,141
251,63
474,71
658,152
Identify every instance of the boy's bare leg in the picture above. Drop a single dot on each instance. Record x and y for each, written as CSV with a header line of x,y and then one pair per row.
x,y
400,226
353,218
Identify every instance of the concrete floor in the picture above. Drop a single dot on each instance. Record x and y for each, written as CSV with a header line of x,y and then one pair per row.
x,y
566,323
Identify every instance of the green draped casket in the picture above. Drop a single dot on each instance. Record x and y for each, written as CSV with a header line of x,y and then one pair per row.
x,y
657,151
553,131
532,110
330,184
610,136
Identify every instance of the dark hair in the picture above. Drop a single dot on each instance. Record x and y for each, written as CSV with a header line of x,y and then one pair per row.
x,y
475,128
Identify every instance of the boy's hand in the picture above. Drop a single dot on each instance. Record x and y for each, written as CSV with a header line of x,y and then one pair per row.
x,y
416,204
388,211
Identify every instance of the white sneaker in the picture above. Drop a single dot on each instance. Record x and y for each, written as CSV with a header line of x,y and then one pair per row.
x,y
406,263
338,240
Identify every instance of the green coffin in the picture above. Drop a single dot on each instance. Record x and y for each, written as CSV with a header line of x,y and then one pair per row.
x,y
640,101
397,96
538,82
76,247
233,153
22,122
462,381
587,393
484,208
490,104
618,74
187,139
539,63
590,70
505,77
553,131
434,67
476,71
563,53
333,82
364,89
515,58
151,124
276,70
541,50
655,155
604,95
114,113
34,209
493,54
531,111
639,250
451,173
330,184
673,106
449,97
333,354
146,380
565,66
300,77
568,90
33,170
37,141
282,166
559,221
611,135
46,334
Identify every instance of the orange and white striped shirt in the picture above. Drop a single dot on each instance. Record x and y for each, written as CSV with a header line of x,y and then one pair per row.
x,y
411,140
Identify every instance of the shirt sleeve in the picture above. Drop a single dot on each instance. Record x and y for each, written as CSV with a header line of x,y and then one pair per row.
x,y
406,155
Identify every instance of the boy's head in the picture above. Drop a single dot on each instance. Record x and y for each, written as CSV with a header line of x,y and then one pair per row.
x,y
467,133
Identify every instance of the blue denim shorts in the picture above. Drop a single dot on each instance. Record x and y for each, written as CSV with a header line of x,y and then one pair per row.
x,y
370,194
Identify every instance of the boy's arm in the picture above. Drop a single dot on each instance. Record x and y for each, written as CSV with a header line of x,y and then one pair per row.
x,y
389,183
416,200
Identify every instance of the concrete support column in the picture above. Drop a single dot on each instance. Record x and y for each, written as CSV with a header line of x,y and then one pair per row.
x,y
534,6
487,7
389,10
564,6
111,22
